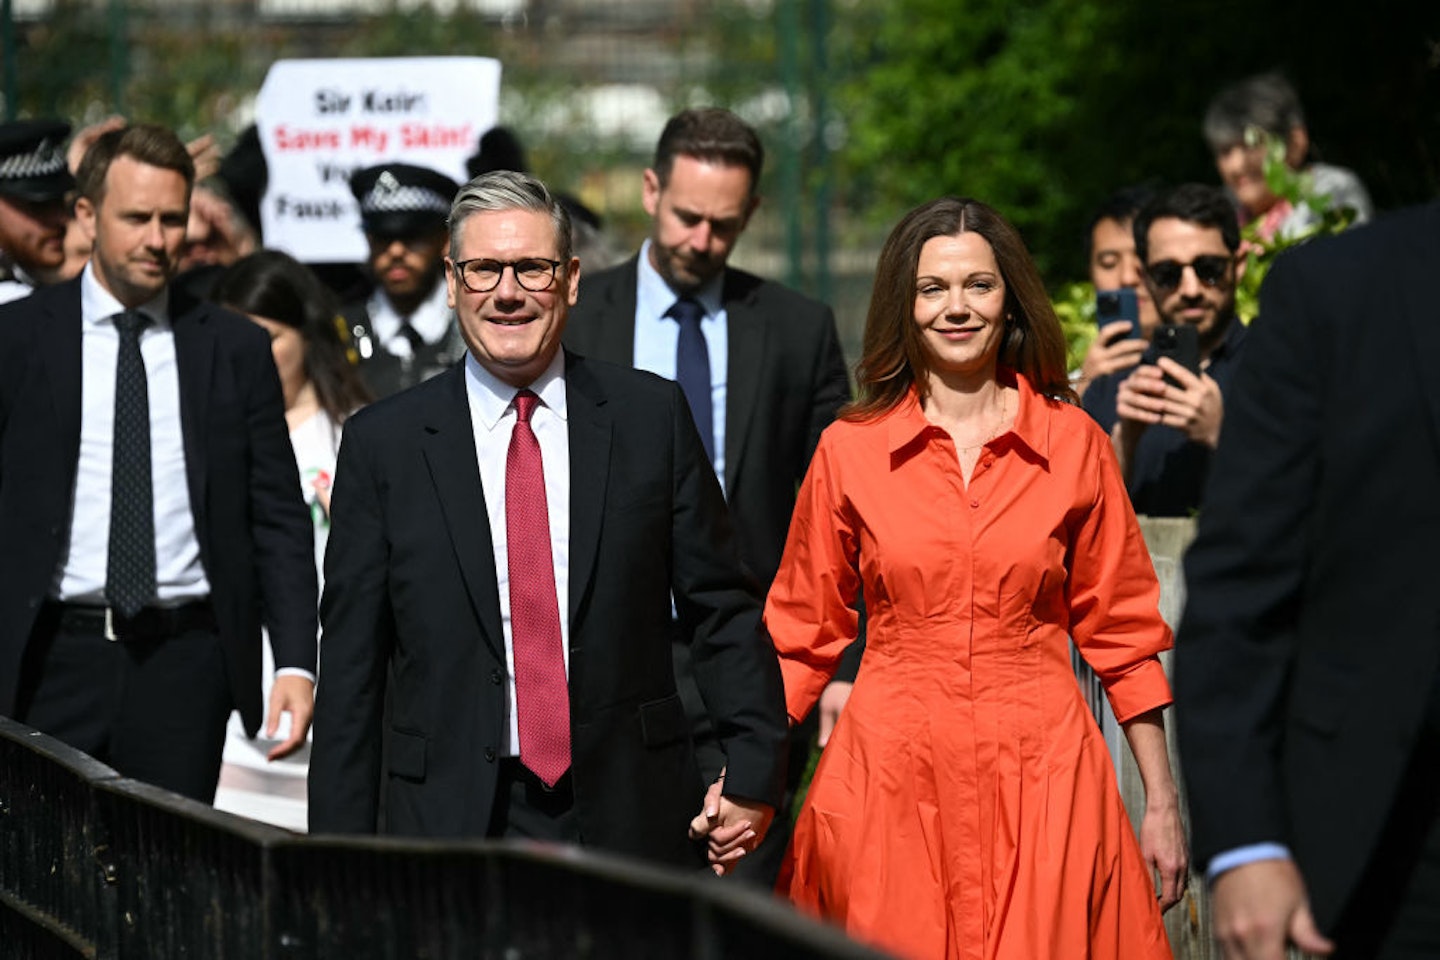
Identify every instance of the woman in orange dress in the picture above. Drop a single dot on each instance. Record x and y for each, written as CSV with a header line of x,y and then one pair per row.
x,y
965,805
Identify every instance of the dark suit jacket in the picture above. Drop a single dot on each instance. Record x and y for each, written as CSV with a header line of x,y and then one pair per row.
x,y
784,384
411,591
254,532
1311,634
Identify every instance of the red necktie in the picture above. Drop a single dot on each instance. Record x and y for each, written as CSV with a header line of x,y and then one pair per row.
x,y
542,699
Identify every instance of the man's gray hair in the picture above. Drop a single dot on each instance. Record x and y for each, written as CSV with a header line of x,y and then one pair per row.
x,y
502,190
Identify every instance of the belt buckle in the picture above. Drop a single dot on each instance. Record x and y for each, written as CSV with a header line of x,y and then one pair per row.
x,y
110,624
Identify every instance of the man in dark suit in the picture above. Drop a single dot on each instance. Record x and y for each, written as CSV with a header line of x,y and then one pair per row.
x,y
150,506
760,364
1306,699
506,541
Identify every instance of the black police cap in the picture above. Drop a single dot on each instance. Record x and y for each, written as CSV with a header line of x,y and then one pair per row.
x,y
32,160
401,200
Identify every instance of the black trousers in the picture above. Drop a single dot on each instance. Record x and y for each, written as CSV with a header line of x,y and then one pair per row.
x,y
526,809
154,708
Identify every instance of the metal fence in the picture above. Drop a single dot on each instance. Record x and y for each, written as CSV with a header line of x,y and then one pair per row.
x,y
94,865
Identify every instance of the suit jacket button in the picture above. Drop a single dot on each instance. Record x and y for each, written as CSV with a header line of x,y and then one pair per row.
x,y
495,677
489,754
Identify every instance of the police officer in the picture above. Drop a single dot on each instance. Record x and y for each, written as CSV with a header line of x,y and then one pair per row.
x,y
34,186
404,332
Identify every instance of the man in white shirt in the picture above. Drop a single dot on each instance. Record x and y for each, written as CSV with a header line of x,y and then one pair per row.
x,y
506,541
149,500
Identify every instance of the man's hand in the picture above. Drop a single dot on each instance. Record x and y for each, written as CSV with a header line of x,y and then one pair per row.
x,y
733,826
1192,404
85,138
294,695
1110,352
832,703
1162,844
1260,907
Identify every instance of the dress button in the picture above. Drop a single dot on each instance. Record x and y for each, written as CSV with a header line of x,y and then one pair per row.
x,y
489,754
974,503
495,677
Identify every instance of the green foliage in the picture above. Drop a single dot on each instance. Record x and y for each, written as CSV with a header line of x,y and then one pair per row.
x,y
1075,306
1262,243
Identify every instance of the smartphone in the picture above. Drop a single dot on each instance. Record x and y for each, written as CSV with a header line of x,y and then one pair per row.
x,y
1121,304
1180,342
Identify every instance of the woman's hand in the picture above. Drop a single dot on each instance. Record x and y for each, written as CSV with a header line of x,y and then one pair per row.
x,y
1162,844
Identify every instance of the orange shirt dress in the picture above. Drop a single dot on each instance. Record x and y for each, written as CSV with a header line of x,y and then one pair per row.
x,y
966,804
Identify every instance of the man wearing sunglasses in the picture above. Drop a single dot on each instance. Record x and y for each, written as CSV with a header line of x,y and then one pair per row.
x,y
403,332
1165,418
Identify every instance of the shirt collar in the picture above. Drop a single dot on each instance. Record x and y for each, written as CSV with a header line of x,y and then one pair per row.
x,y
653,296
491,398
98,305
907,423
431,319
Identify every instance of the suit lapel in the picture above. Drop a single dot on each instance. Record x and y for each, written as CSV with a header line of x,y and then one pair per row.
x,y
746,332
194,360
60,346
448,443
615,340
589,431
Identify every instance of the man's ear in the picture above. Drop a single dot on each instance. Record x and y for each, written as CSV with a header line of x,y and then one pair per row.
x,y
754,205
1297,145
650,192
85,216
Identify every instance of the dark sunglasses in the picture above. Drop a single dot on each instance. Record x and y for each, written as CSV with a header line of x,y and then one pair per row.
x,y
1209,270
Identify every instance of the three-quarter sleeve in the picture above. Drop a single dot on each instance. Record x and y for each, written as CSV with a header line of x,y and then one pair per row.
x,y
1114,597
811,609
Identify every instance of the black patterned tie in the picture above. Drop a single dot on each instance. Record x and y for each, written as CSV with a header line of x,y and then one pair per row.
x,y
130,570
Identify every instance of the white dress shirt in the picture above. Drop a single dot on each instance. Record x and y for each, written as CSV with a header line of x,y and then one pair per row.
x,y
656,337
492,419
432,320
179,575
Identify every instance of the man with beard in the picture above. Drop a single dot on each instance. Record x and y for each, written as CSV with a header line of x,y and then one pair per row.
x,y
759,364
34,181
403,332
1164,419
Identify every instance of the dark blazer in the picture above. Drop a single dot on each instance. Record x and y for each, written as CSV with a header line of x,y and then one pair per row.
x,y
784,384
411,592
254,532
1311,636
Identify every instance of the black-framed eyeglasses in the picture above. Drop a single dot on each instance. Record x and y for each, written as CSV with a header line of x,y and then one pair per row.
x,y
482,274
1209,270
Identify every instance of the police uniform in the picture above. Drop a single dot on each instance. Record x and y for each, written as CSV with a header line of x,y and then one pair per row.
x,y
398,351
34,173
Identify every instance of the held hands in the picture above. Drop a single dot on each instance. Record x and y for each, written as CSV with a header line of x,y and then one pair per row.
x,y
734,826
295,695
1111,351
1191,404
1162,844
1260,907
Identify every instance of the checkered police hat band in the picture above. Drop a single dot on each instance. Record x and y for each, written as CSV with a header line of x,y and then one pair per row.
x,y
390,196
45,160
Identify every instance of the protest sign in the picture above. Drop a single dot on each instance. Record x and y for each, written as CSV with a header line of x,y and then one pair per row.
x,y
321,120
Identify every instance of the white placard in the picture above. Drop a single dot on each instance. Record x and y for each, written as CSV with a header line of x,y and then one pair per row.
x,y
321,120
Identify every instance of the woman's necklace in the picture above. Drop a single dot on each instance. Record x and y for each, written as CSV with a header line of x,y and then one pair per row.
x,y
994,431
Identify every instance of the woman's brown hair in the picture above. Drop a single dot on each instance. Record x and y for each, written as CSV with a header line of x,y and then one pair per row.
x,y
893,355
